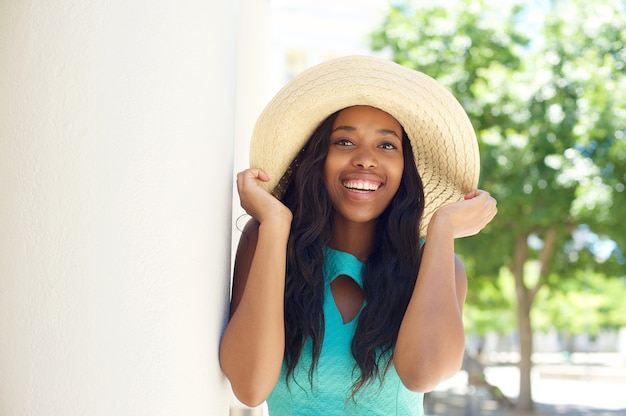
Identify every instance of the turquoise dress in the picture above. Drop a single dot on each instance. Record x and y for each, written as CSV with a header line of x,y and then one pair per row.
x,y
333,378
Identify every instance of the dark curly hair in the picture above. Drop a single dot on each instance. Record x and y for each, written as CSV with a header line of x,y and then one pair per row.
x,y
389,274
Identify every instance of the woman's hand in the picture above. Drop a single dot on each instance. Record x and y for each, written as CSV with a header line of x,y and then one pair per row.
x,y
469,216
256,201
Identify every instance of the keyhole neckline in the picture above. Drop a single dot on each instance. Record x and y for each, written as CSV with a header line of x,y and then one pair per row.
x,y
339,263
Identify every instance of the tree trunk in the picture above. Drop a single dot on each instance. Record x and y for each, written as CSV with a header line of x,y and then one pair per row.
x,y
524,302
525,297
525,400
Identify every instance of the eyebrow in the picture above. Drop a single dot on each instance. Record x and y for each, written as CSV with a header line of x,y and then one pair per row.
x,y
381,131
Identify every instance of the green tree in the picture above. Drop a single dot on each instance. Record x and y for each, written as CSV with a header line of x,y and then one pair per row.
x,y
545,89
587,303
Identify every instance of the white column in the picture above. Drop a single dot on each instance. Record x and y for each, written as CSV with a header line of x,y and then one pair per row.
x,y
253,93
116,154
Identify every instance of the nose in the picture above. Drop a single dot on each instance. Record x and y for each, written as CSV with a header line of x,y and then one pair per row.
x,y
365,158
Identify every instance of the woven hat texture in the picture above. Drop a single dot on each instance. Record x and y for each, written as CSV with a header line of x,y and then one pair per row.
x,y
442,137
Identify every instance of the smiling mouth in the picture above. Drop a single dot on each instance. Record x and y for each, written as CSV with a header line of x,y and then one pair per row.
x,y
362,185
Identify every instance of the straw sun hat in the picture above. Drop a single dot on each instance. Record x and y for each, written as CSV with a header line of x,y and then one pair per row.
x,y
442,137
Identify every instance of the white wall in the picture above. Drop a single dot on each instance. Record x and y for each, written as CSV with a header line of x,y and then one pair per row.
x,y
116,153
253,90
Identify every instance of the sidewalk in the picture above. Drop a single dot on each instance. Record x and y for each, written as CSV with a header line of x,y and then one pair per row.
x,y
557,390
440,403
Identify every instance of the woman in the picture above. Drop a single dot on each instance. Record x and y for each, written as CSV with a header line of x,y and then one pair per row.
x,y
338,305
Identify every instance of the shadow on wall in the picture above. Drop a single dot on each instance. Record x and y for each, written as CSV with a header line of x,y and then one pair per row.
x,y
243,411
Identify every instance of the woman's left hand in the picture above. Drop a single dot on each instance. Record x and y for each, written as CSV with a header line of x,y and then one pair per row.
x,y
469,216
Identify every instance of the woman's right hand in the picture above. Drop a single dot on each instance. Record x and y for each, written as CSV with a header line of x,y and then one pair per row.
x,y
256,201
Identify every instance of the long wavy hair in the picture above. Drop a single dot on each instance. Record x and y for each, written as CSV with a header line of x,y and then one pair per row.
x,y
389,274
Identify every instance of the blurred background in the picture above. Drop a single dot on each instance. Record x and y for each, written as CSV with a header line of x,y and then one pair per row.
x,y
544,83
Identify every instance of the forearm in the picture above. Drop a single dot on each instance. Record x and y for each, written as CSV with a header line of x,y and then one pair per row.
x,y
252,346
431,339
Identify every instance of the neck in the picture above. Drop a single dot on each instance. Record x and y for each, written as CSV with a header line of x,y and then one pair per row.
x,y
354,238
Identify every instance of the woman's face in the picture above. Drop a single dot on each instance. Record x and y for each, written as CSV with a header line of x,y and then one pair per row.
x,y
364,165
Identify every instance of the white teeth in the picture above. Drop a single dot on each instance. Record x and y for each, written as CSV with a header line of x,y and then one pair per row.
x,y
362,185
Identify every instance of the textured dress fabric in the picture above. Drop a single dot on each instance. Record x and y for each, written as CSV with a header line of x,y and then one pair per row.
x,y
335,372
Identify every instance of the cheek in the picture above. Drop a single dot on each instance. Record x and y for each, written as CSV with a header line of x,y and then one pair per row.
x,y
327,173
398,171
400,165
332,163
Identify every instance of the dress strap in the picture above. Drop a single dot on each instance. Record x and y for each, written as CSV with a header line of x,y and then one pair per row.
x,y
337,263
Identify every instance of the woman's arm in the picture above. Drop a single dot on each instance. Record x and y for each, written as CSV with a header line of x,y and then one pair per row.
x,y
253,343
431,340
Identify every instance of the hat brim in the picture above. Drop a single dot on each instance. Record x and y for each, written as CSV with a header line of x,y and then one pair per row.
x,y
442,137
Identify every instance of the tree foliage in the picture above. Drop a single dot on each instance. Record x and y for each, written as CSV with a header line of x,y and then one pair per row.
x,y
587,303
545,88
549,108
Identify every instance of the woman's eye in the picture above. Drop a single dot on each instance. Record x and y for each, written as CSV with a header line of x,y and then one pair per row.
x,y
343,142
388,146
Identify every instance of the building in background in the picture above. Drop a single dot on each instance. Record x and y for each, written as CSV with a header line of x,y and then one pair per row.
x,y
306,32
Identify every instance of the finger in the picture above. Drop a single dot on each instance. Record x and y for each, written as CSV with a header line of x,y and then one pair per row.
x,y
486,199
240,176
472,194
259,174
492,210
